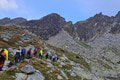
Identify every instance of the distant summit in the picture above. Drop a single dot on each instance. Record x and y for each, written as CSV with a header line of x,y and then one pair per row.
x,y
47,26
9,21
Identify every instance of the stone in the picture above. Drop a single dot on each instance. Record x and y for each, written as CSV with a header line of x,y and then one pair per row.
x,y
27,60
12,68
50,65
36,76
73,74
63,74
59,77
28,69
5,67
20,76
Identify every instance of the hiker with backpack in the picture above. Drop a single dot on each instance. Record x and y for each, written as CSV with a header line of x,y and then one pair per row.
x,y
29,53
57,57
54,58
2,59
41,54
46,55
23,52
17,56
6,54
35,53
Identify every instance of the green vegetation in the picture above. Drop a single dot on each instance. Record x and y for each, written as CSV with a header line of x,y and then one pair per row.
x,y
118,62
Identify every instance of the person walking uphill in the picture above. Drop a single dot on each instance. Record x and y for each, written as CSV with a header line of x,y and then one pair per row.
x,y
35,53
29,53
23,52
6,53
41,54
2,59
17,56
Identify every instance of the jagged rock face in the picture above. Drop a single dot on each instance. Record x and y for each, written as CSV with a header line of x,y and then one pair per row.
x,y
8,21
46,27
69,27
115,29
117,17
85,30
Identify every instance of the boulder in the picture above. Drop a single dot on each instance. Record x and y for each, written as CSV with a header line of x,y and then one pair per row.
x,y
5,67
59,77
28,69
63,74
20,76
36,76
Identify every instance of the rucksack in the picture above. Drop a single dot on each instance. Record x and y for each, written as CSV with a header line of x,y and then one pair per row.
x,y
17,54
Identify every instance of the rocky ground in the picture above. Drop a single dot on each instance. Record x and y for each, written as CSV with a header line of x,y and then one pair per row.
x,y
95,60
101,55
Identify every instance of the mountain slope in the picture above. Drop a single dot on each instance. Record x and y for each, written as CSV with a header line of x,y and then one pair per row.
x,y
47,26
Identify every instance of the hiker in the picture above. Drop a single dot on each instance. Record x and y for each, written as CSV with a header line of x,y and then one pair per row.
x,y
23,52
35,53
57,57
17,56
6,53
41,54
50,55
54,58
2,59
46,56
29,53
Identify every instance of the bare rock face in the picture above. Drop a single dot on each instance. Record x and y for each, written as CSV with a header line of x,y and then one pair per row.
x,y
93,27
47,26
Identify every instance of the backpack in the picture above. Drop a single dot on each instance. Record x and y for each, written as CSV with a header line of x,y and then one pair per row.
x,y
17,54
23,51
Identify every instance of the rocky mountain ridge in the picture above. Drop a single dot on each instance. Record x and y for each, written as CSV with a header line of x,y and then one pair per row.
x,y
52,24
8,21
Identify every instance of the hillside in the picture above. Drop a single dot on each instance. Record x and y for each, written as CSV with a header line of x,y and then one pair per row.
x,y
89,49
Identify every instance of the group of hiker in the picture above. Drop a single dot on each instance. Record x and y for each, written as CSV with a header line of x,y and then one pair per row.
x,y
22,53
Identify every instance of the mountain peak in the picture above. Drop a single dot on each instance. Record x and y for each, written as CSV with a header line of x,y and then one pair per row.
x,y
118,14
99,15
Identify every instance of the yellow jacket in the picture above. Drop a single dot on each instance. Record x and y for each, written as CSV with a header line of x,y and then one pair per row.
x,y
41,52
6,52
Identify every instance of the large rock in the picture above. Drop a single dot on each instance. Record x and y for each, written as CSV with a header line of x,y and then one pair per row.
x,y
5,67
28,69
20,76
59,77
36,76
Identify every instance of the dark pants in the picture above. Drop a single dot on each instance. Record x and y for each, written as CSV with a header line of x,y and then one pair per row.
x,y
28,55
0,68
53,59
35,54
16,60
47,56
22,57
50,57
2,60
40,56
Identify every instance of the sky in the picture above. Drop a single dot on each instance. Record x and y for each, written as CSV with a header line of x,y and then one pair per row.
x,y
71,10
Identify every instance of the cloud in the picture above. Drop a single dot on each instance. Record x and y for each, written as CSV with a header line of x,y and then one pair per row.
x,y
8,4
